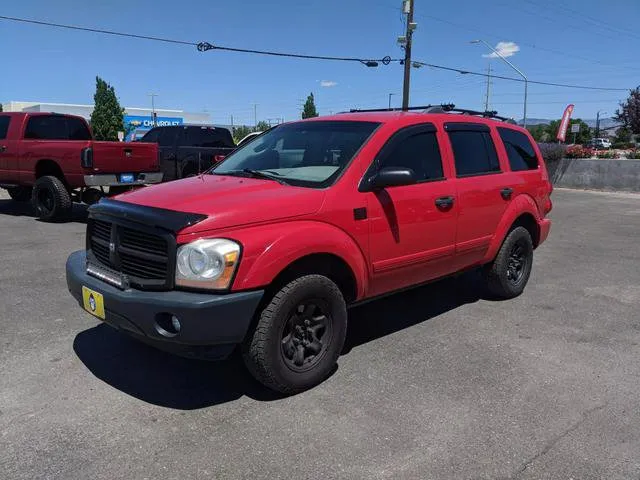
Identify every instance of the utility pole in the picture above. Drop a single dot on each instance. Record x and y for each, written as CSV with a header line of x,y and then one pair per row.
x,y
232,121
408,9
486,100
153,108
390,95
255,114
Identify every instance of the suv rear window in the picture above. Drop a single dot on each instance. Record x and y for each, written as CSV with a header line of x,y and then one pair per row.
x,y
4,126
521,154
56,127
474,152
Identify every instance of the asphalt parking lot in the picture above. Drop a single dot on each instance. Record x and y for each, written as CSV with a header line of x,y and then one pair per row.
x,y
434,383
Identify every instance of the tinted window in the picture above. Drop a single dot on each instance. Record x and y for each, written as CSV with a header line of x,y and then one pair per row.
x,y
324,150
474,152
418,152
4,126
151,136
78,129
166,137
521,154
206,137
47,127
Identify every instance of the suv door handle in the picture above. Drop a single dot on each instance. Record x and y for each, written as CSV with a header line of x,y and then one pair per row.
x,y
444,203
506,193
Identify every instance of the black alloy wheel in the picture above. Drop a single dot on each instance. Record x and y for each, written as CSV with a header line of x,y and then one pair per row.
x,y
306,335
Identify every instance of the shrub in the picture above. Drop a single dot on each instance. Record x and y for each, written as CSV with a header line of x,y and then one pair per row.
x,y
551,152
578,151
635,155
608,154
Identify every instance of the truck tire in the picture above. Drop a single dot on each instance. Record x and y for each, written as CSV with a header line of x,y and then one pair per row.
x,y
51,200
299,335
20,194
509,273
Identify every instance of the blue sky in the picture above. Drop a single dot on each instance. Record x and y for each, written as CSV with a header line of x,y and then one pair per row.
x,y
584,42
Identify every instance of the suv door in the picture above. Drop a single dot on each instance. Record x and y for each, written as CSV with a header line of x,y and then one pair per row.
x,y
411,231
480,184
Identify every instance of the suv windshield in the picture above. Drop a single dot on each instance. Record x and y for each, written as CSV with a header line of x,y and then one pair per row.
x,y
306,154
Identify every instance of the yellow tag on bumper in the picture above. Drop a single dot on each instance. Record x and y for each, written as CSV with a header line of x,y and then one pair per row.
x,y
93,302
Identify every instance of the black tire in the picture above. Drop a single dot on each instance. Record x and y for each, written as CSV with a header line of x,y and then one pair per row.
x,y
289,359
51,199
20,194
509,273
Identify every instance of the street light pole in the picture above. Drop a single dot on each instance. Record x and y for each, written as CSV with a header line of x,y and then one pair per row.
x,y
390,100
598,123
526,81
153,108
407,57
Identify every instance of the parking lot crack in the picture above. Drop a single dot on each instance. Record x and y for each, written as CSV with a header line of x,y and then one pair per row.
x,y
550,444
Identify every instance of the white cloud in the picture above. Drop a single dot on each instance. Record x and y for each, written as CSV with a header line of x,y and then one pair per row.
x,y
328,83
506,49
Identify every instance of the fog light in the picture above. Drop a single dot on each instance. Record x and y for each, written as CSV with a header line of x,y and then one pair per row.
x,y
175,323
168,325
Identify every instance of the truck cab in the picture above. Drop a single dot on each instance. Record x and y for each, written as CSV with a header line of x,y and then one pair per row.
x,y
52,160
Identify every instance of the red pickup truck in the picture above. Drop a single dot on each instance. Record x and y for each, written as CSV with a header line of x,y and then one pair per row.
x,y
269,248
52,160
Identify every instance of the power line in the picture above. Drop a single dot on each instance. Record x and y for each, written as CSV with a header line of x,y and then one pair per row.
x,y
515,79
205,46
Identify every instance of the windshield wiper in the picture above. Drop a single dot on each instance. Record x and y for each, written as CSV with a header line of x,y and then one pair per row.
x,y
265,176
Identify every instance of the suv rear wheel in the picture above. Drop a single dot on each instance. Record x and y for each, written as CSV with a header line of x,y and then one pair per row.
x,y
20,194
509,273
51,199
299,335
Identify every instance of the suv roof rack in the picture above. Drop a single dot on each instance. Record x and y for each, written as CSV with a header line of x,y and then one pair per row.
x,y
442,108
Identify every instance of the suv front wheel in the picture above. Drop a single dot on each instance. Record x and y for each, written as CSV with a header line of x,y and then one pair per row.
x,y
509,273
299,335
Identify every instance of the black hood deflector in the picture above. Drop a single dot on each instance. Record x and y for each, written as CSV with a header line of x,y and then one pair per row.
x,y
149,216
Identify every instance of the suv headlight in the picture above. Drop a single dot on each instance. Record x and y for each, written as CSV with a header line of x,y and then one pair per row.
x,y
208,264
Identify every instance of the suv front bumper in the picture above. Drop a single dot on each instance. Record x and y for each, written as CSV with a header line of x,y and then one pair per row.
x,y
211,325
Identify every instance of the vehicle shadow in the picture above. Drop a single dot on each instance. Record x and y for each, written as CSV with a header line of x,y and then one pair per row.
x,y
166,380
24,209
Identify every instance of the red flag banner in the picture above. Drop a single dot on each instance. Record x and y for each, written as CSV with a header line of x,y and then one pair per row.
x,y
564,123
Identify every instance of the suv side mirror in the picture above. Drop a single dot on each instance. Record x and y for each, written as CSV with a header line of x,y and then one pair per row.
x,y
392,177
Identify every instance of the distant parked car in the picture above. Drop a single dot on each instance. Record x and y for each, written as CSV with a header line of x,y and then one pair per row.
x,y
248,138
600,143
187,150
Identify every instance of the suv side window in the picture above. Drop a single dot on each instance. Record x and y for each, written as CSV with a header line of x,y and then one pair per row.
x,y
521,154
151,136
420,153
4,126
47,127
473,149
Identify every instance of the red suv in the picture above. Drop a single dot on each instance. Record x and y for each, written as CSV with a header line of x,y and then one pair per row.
x,y
269,248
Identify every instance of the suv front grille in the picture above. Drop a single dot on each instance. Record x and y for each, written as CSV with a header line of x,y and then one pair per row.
x,y
143,254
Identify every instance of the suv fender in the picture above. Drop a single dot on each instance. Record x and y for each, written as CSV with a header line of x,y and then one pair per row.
x,y
283,244
521,206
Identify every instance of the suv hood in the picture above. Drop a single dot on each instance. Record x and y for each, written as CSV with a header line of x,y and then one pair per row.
x,y
229,201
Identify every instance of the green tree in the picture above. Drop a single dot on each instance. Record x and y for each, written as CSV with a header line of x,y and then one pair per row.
x,y
583,136
309,110
629,111
240,132
0,107
107,118
539,132
262,126
623,135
